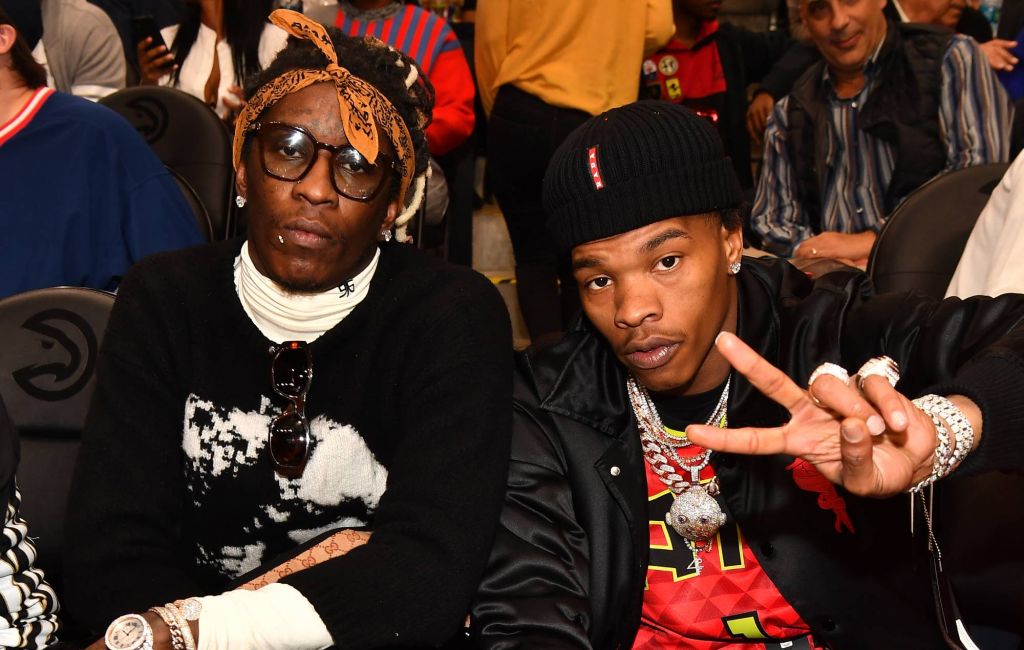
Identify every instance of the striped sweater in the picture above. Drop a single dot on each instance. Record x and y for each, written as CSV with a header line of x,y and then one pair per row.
x,y
28,605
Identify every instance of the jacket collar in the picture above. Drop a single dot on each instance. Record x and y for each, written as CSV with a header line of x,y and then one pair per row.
x,y
580,378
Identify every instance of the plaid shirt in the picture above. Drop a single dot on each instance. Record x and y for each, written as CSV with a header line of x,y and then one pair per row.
x,y
974,122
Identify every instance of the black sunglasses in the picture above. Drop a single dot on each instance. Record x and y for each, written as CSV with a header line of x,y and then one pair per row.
x,y
291,373
288,152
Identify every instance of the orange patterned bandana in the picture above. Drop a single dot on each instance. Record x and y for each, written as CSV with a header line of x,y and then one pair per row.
x,y
363,108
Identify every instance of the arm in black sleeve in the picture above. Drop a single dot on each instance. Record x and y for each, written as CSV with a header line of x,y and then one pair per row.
x,y
413,582
534,593
784,74
973,347
122,552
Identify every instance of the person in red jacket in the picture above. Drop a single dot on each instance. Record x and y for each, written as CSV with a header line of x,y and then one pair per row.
x,y
426,38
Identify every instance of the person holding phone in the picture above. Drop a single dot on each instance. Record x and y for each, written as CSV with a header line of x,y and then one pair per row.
x,y
217,45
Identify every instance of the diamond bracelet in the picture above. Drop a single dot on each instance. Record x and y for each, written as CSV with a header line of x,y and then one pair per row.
x,y
949,451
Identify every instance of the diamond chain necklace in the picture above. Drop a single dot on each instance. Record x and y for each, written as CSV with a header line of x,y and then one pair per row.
x,y
695,514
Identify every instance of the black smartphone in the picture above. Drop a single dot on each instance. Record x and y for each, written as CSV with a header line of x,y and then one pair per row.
x,y
145,26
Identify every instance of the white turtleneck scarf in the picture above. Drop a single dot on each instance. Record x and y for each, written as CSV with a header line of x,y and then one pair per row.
x,y
284,316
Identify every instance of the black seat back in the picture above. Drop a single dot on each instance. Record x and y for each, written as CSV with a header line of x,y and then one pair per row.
x,y
198,209
189,138
921,243
47,366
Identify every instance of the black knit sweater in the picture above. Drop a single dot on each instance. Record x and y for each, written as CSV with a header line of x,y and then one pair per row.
x,y
175,495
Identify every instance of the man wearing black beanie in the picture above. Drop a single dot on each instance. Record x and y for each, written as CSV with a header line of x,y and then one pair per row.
x,y
622,528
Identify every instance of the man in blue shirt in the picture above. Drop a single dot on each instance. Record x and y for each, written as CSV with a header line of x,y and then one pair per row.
x,y
82,197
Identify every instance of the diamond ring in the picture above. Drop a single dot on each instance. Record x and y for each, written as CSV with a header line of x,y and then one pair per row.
x,y
827,368
883,367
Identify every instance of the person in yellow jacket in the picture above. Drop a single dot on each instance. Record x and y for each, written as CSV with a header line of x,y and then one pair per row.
x,y
543,68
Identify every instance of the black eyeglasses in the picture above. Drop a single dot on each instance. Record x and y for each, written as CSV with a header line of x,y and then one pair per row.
x,y
288,152
291,373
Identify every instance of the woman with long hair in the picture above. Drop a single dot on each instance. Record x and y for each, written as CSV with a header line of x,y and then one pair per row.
x,y
215,48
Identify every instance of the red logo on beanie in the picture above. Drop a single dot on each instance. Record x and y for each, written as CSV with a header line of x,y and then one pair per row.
x,y
595,171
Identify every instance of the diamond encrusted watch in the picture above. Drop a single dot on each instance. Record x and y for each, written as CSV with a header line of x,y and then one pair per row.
x,y
129,632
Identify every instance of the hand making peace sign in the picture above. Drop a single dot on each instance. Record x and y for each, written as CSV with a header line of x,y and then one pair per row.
x,y
873,443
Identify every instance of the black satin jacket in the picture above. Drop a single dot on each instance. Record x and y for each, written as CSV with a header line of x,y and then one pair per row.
x,y
569,563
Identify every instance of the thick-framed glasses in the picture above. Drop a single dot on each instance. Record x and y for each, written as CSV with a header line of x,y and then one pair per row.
x,y
288,152
291,373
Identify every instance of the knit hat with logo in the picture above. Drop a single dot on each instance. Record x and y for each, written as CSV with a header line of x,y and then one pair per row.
x,y
633,166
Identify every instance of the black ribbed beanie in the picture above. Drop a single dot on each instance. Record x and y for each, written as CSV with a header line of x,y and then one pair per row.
x,y
633,166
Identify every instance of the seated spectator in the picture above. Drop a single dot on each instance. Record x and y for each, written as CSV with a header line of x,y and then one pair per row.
x,y
623,529
402,429
216,47
77,45
889,107
991,262
28,607
958,16
427,39
707,67
83,196
121,12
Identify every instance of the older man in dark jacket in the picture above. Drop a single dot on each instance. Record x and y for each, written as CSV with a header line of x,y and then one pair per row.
x,y
887,108
620,530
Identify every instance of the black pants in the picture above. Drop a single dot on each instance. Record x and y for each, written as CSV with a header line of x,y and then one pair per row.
x,y
523,134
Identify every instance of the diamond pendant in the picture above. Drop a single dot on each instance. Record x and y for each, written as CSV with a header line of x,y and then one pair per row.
x,y
695,514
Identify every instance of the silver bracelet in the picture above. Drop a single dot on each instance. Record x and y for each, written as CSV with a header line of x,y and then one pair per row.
x,y
960,427
190,608
949,452
943,451
179,619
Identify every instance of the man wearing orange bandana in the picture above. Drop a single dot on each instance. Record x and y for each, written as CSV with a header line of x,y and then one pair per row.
x,y
300,439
